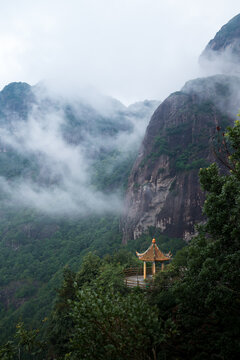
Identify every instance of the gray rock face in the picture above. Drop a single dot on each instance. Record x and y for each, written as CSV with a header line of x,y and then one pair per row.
x,y
163,189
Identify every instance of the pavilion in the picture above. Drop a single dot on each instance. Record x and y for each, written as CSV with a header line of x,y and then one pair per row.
x,y
153,254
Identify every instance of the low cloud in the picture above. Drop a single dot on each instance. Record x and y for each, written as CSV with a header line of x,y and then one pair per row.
x,y
63,183
225,61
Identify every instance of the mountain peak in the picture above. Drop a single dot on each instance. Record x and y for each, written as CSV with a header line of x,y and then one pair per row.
x,y
16,97
16,88
222,53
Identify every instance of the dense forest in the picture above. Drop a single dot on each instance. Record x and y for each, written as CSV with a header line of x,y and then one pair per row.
x,y
191,311
86,182
37,243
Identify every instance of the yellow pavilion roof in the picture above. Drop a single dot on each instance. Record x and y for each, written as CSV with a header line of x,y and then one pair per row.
x,y
153,253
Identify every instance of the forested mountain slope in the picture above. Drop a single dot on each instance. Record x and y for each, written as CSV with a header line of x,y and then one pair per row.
x,y
63,171
64,167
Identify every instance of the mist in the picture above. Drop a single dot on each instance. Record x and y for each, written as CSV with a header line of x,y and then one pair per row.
x,y
131,50
78,51
64,185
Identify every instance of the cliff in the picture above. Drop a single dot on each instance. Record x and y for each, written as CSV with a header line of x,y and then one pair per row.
x,y
163,188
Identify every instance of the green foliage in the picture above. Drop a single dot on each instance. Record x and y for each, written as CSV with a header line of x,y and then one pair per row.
x,y
95,273
199,290
111,326
208,295
60,324
165,243
180,159
26,345
27,340
191,312
34,248
89,269
222,89
112,275
111,170
13,165
7,351
206,107
25,290
31,264
176,130
160,147
124,257
188,159
187,143
182,163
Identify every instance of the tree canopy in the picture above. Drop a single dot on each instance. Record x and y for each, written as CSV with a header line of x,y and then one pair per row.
x,y
193,311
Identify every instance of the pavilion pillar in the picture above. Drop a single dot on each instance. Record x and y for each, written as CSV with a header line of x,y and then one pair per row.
x,y
153,268
162,266
144,270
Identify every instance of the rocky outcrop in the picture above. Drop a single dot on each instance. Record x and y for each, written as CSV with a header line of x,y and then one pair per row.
x,y
163,188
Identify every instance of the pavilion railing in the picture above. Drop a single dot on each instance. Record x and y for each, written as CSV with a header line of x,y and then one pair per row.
x,y
134,283
138,271
134,277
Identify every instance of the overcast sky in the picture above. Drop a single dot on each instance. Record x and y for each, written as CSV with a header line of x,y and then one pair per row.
x,y
129,49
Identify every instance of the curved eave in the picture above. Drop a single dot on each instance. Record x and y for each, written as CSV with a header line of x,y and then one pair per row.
x,y
153,253
152,259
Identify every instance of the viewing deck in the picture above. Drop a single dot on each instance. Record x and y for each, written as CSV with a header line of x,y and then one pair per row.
x,y
134,277
143,277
